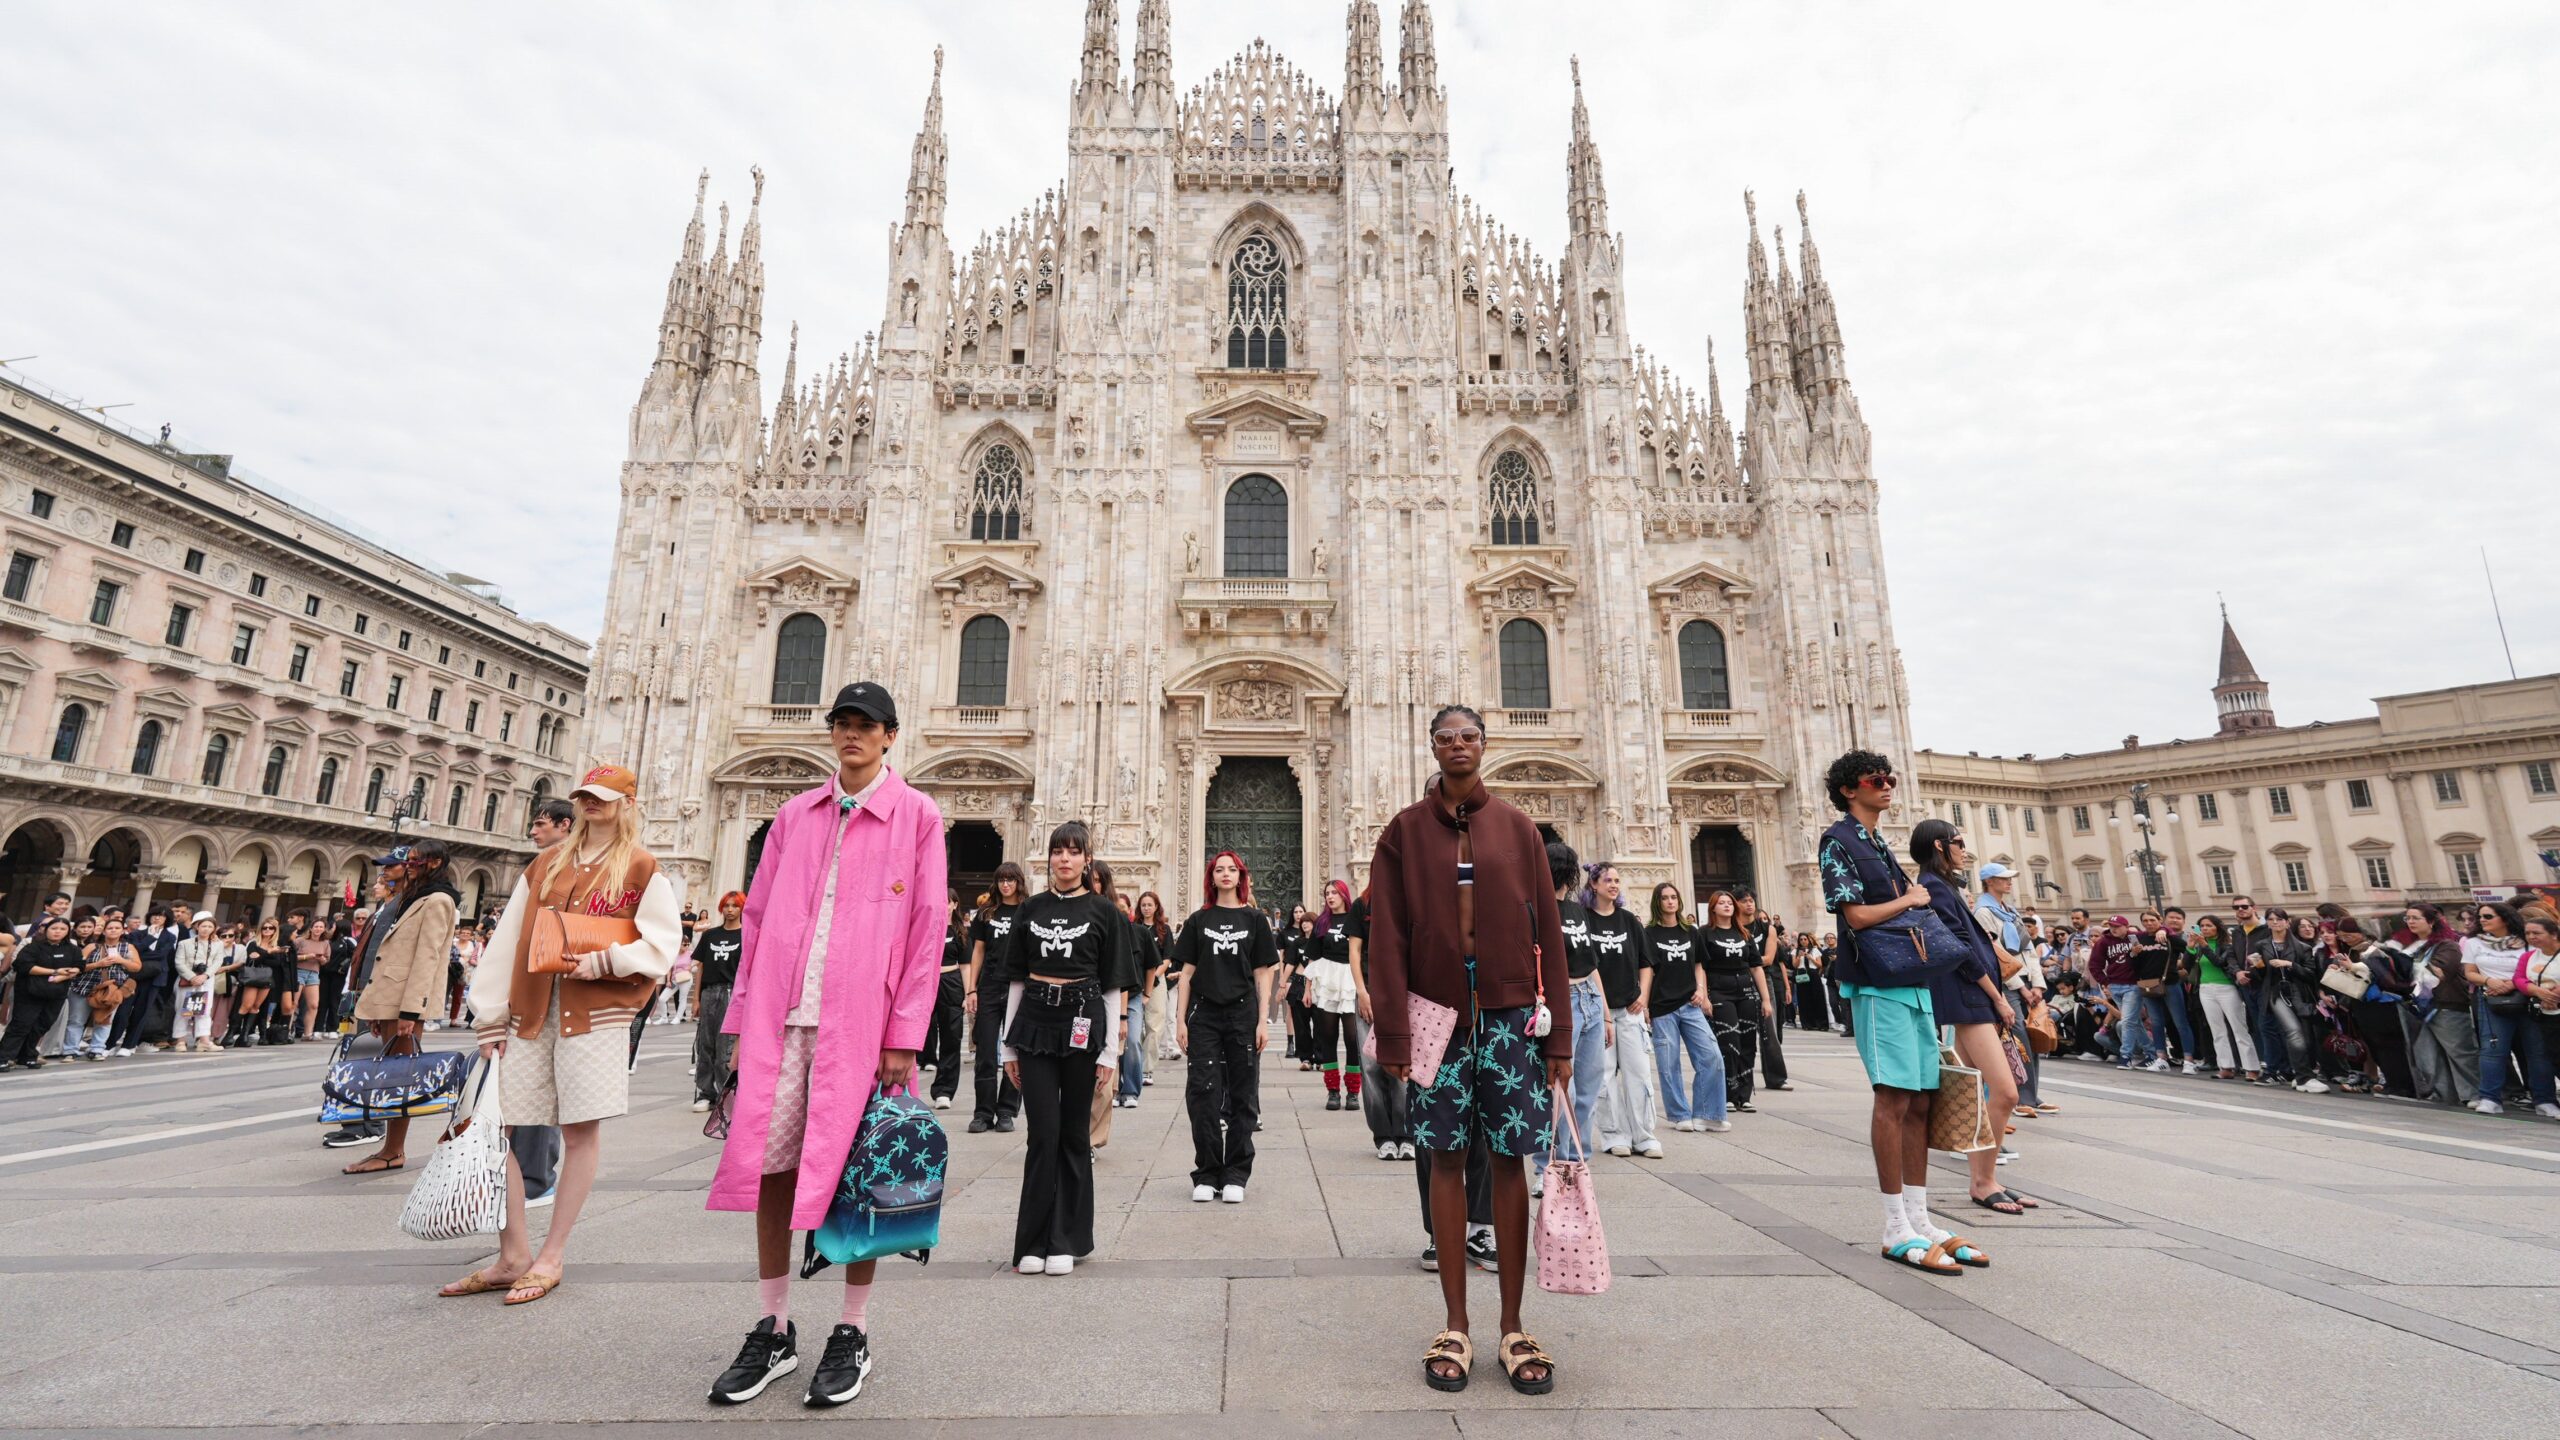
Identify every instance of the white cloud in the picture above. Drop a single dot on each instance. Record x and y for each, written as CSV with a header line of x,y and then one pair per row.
x,y
2144,304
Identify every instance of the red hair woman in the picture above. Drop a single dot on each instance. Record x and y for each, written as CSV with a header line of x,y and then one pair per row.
x,y
1225,956
715,978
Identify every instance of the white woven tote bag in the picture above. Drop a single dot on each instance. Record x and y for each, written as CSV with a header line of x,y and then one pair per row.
x,y
463,1190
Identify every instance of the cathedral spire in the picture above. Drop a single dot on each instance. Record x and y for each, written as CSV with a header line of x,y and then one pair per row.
x,y
679,320
1766,347
1587,198
926,181
1828,368
1364,66
1101,46
1417,65
1152,63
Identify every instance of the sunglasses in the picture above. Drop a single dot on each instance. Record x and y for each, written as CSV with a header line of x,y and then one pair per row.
x,y
1457,737
1879,782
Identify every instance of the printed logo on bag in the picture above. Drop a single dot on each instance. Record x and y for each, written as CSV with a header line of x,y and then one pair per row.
x,y
1058,940
1226,942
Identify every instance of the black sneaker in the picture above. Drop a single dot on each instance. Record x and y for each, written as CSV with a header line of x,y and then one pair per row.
x,y
345,1138
842,1369
764,1358
980,1124
1746,1107
1431,1257
1480,1250
1004,1124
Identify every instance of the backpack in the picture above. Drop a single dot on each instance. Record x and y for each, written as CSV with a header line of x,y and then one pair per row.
x,y
889,1201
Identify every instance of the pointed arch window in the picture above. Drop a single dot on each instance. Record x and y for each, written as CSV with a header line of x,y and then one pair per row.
x,y
1257,306
453,805
146,748
417,802
67,734
271,782
1705,682
986,647
995,496
1511,498
799,660
1524,666
1257,529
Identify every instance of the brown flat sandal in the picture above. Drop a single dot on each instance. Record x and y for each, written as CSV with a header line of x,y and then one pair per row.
x,y
536,1282
478,1282
1453,1347
1520,1351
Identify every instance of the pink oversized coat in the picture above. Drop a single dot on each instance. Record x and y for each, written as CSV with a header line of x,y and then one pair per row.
x,y
884,962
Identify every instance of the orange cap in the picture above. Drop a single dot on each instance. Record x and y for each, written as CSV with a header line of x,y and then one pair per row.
x,y
609,782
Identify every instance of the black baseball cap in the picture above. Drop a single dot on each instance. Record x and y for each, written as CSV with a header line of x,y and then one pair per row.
x,y
869,699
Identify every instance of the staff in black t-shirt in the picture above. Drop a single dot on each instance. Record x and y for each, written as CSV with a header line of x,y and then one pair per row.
x,y
715,977
1225,954
990,936
1624,1116
1064,974
1731,962
1769,952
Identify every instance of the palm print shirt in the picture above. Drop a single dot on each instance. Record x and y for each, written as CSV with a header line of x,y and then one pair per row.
x,y
1858,868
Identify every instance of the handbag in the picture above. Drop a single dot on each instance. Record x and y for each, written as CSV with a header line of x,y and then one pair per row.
x,y
2514,1001
1573,1253
1431,1025
387,1086
715,1126
2042,1032
463,1190
889,1199
560,936
2350,983
1910,950
1958,1119
108,996
2017,1057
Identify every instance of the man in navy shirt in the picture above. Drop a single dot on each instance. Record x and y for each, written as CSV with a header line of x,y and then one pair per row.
x,y
1896,1030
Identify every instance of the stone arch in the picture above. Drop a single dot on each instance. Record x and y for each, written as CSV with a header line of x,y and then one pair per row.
x,y
316,881
773,763
974,764
1256,217
1539,767
1513,437
1313,677
1726,768
994,505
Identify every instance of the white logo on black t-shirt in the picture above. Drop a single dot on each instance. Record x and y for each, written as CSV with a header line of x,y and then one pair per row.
x,y
1058,940
1610,941
1731,949
997,929
1577,933
1225,942
722,950
1673,950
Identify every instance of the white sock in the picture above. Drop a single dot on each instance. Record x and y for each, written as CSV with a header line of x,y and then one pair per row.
x,y
1915,1208
1479,1232
1897,1227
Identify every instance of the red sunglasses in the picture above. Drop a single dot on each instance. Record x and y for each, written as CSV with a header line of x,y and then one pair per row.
x,y
1878,782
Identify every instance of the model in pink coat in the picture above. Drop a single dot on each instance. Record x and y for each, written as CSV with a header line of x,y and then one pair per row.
x,y
836,980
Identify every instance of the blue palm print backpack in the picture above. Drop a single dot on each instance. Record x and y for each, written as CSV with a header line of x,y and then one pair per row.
x,y
889,1201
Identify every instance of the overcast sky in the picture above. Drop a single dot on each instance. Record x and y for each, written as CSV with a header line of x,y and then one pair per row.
x,y
2144,303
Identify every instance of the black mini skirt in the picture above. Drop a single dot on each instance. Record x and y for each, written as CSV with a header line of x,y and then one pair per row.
x,y
1046,1022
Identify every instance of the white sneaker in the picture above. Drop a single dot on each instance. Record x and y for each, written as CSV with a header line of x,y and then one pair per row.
x,y
1651,1151
2313,1086
1404,1149
536,1202
1060,1265
2488,1107
1711,1127
1621,1150
1386,1149
2547,1110
124,1050
2006,1155
1203,1194
700,1106
1233,1194
2157,1065
941,1102
2188,1069
1031,1265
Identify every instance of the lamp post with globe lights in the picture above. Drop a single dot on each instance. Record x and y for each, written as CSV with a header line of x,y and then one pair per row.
x,y
2148,859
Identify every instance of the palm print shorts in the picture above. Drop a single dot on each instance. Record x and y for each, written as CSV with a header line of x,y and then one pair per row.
x,y
1492,1087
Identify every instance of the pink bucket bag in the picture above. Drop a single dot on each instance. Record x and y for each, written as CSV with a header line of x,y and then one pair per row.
x,y
1573,1254
1432,1024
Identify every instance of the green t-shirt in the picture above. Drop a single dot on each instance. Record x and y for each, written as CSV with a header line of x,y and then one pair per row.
x,y
2209,969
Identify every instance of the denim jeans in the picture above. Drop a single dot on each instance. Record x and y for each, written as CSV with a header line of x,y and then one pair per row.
x,y
1625,1112
1688,1027
1590,1019
87,1034
1133,1055
2174,1003
2132,1012
2518,1035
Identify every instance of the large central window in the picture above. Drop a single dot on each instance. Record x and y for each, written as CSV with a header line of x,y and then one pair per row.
x,y
995,496
1257,528
1511,498
1257,306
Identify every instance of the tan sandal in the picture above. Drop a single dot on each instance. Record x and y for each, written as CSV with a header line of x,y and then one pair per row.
x,y
478,1282
1454,1347
536,1282
1516,1358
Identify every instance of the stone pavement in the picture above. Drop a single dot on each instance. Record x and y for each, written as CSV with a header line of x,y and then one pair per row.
x,y
179,1256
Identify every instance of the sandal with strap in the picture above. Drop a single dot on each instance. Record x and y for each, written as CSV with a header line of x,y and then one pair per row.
x,y
1453,1348
1521,1350
1921,1255
1962,1251
478,1282
375,1165
535,1282
2000,1202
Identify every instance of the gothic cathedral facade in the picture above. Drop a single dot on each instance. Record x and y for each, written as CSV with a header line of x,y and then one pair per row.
x,y
1177,504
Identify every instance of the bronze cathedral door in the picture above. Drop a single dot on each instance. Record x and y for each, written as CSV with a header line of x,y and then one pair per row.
x,y
1256,811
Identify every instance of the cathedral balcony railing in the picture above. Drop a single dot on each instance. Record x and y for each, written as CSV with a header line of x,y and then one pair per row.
x,y
1545,724
1220,604
763,723
949,724
979,384
1516,392
1709,725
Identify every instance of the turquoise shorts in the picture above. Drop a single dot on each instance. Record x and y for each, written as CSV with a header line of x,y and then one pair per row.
x,y
1897,1035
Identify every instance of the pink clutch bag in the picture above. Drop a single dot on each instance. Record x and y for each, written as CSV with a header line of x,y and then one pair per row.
x,y
1573,1252
1432,1024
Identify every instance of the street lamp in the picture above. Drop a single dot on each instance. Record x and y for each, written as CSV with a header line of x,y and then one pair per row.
x,y
2148,860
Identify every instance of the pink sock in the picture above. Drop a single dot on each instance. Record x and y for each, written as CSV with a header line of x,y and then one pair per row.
x,y
775,1296
857,1306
